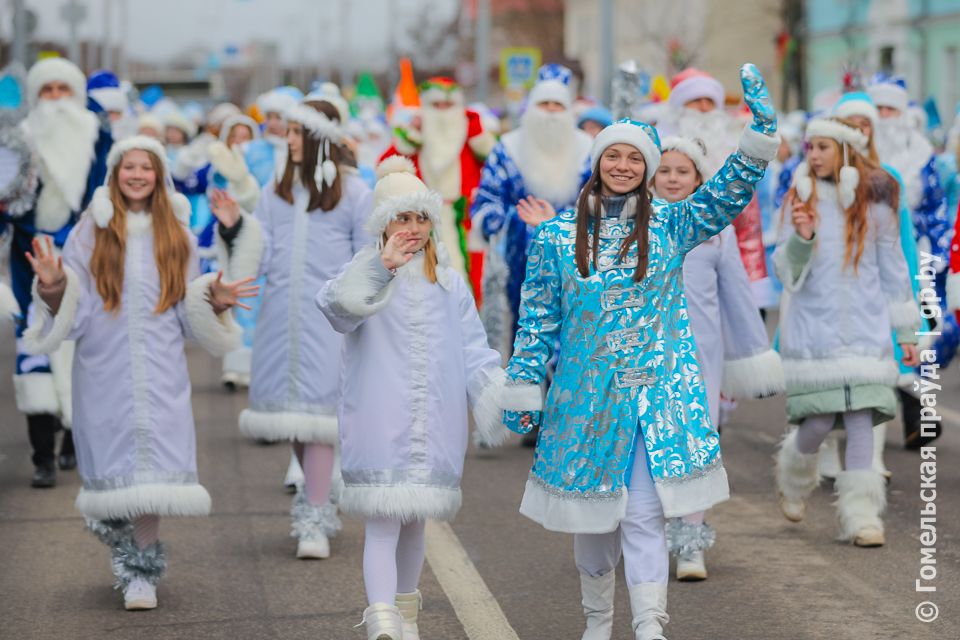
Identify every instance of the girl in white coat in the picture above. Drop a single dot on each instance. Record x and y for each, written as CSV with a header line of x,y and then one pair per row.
x,y
414,342
846,285
306,226
128,290
732,344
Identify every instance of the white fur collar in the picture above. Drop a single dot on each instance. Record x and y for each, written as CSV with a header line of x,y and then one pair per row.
x,y
414,270
138,222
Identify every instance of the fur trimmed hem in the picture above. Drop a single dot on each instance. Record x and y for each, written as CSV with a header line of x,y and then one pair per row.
x,y
953,292
904,315
243,259
758,145
289,425
217,334
36,393
488,413
405,503
157,499
821,374
522,397
47,332
756,376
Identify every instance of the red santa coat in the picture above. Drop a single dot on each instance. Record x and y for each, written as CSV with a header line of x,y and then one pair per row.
x,y
953,278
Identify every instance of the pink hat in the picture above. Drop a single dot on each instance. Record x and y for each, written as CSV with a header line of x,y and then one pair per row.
x,y
693,84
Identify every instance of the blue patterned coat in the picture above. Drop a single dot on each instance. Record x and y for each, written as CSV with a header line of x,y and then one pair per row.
x,y
627,359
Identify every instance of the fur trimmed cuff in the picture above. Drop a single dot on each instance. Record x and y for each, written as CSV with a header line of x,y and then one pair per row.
x,y
36,393
953,292
401,502
361,290
482,144
218,334
488,413
756,376
241,259
521,397
758,145
904,315
47,331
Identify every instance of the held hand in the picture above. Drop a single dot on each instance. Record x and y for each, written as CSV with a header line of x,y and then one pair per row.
x,y
757,97
910,356
47,265
803,219
224,295
399,250
224,208
533,211
522,421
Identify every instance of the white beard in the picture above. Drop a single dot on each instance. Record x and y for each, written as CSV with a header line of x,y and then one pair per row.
x,y
444,134
63,136
550,155
715,128
906,151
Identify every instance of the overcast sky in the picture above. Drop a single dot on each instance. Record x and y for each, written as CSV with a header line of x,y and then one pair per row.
x,y
158,30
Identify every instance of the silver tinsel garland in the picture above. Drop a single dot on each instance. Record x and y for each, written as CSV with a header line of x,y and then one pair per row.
x,y
130,562
110,532
683,538
310,520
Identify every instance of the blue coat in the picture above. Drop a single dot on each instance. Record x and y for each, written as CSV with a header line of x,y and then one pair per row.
x,y
627,359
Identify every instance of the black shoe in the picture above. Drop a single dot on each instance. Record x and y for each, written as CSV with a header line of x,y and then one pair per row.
x,y
44,477
68,457
529,439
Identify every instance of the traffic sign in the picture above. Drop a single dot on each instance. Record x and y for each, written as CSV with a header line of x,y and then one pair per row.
x,y
518,66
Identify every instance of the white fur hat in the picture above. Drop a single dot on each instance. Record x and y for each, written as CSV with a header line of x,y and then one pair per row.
x,y
276,101
889,94
849,176
637,134
695,86
241,119
150,121
329,92
177,120
693,148
553,85
100,206
219,114
51,69
857,104
398,189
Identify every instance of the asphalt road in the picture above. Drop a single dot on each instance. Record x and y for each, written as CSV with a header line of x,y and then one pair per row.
x,y
234,576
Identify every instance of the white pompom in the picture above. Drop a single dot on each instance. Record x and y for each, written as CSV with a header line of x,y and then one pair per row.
x,y
101,208
849,180
181,206
329,171
395,164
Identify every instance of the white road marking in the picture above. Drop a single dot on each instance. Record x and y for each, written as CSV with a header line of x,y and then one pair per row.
x,y
478,611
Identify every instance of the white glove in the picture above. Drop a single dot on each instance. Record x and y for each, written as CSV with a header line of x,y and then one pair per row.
x,y
228,163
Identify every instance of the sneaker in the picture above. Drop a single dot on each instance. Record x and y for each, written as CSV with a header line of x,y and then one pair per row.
x,y
139,595
869,537
792,510
691,567
316,548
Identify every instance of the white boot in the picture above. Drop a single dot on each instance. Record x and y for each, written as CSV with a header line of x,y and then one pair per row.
x,y
294,476
830,465
313,526
797,477
691,567
383,622
410,605
139,595
597,603
861,498
648,602
879,442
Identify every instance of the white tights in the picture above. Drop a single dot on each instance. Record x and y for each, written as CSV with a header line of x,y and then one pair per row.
x,y
392,558
859,427
640,538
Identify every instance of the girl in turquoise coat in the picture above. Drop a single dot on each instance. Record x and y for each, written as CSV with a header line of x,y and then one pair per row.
x,y
625,434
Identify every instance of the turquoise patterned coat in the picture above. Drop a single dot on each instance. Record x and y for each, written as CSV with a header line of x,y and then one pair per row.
x,y
627,359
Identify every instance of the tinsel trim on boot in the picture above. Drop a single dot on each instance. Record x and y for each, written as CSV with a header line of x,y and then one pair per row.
x,y
110,532
309,520
683,538
130,561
